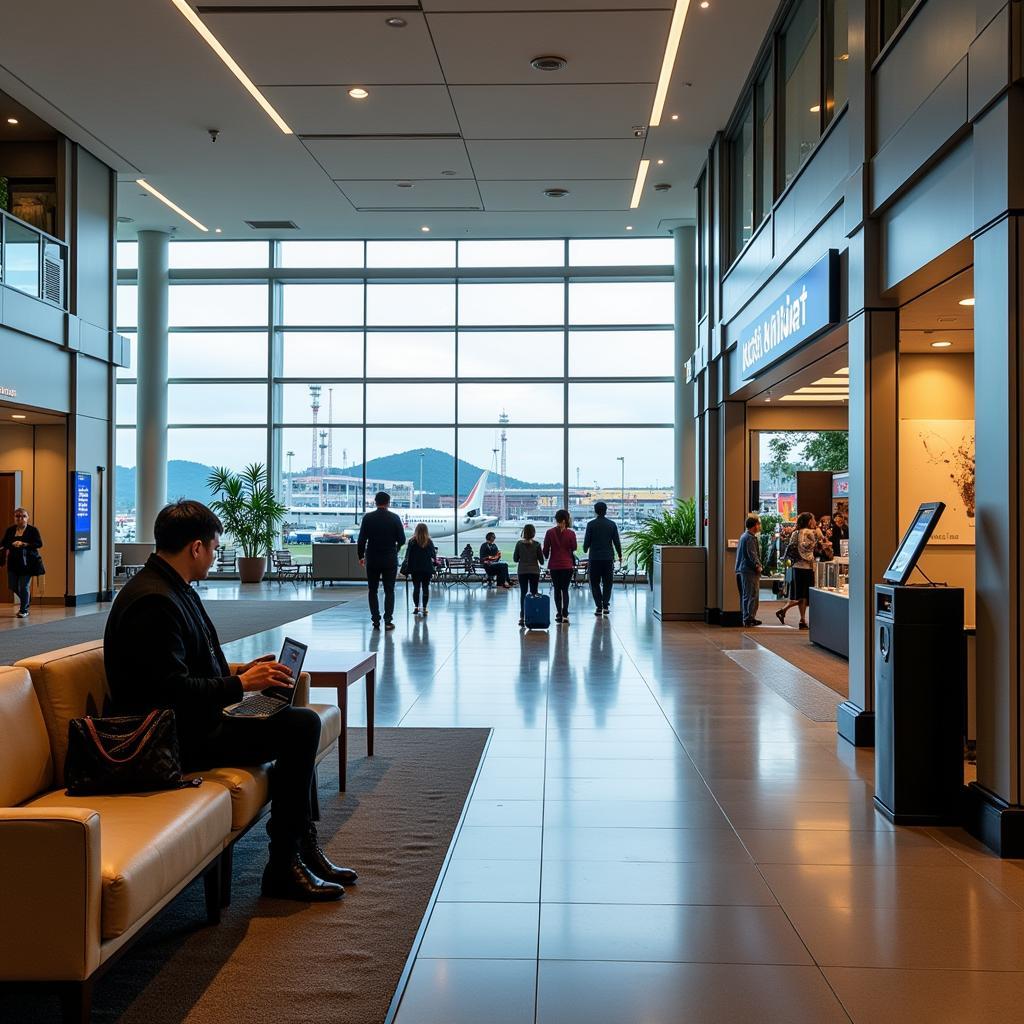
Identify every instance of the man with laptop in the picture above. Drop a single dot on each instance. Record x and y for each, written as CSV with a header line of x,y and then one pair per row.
x,y
160,650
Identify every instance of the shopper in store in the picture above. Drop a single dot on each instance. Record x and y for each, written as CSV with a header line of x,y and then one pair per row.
x,y
19,551
800,554
840,532
560,551
748,570
601,541
528,557
420,563
490,557
380,537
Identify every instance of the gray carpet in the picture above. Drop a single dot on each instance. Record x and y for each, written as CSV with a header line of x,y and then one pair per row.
x,y
233,619
826,667
336,963
815,700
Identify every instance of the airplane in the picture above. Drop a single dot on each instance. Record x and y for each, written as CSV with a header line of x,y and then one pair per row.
x,y
440,521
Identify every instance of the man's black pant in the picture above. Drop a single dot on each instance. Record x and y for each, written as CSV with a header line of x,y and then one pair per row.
x,y
376,574
290,739
602,575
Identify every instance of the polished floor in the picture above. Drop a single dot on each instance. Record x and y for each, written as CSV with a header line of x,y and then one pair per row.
x,y
657,835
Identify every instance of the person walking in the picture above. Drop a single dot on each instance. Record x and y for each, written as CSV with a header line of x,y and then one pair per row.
x,y
601,540
380,537
490,558
801,553
20,549
529,557
560,551
748,570
420,561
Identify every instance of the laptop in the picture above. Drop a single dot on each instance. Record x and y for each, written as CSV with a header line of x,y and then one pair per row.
x,y
274,698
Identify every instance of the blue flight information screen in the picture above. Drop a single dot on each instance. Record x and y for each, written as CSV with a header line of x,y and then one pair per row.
x,y
81,501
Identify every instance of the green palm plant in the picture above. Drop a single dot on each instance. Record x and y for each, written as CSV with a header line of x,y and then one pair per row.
x,y
673,527
247,507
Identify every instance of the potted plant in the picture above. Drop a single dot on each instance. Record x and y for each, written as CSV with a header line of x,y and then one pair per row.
x,y
251,515
674,527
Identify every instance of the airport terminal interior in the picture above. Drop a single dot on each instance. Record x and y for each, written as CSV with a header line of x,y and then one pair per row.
x,y
350,278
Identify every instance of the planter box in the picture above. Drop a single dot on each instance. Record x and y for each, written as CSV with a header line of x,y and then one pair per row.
x,y
680,581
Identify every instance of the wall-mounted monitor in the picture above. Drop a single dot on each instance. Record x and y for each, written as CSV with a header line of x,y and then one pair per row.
x,y
914,540
81,509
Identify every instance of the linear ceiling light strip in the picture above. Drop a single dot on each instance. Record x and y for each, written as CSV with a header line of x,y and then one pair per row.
x,y
668,63
214,43
142,183
638,188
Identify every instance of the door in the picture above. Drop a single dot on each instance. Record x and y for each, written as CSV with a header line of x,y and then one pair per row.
x,y
8,491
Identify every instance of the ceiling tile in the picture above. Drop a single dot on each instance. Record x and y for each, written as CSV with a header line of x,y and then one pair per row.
x,y
552,111
424,195
327,47
391,158
549,158
389,110
583,195
600,46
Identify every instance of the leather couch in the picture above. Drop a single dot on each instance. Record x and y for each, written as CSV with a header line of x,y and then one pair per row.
x,y
105,866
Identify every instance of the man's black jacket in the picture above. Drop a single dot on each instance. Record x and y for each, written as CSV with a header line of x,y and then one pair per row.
x,y
602,540
380,537
160,650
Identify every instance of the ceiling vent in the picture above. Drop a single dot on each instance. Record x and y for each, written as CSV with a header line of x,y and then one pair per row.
x,y
556,193
548,62
273,225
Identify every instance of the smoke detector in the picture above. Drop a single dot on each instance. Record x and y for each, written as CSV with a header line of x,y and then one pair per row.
x,y
556,193
548,62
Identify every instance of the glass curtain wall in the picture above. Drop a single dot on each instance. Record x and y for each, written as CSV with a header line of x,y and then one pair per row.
x,y
484,384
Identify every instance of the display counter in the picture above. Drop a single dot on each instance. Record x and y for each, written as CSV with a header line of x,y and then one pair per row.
x,y
336,562
830,620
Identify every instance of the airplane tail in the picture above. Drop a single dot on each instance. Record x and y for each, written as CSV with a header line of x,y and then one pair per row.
x,y
475,498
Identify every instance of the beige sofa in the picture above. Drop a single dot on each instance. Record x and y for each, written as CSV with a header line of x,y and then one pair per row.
x,y
103,866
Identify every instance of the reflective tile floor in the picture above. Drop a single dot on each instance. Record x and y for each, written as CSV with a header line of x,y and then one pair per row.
x,y
657,836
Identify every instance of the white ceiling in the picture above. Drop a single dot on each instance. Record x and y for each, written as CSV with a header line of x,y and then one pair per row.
x,y
452,91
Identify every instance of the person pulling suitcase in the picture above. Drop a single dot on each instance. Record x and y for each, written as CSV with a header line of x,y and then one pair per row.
x,y
534,607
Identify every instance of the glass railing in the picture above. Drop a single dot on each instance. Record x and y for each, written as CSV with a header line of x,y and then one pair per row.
x,y
32,261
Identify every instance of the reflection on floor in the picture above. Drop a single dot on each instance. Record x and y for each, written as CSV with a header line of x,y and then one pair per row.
x,y
658,836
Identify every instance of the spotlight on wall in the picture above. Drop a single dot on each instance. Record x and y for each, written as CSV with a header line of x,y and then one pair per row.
x,y
942,344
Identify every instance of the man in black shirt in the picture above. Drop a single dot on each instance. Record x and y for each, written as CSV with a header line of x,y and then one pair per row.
x,y
160,650
380,537
602,542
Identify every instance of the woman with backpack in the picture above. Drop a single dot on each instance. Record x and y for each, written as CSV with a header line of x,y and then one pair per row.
x,y
528,557
560,551
804,543
420,562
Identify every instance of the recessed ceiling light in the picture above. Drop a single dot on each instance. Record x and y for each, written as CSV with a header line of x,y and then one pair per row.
x,y
638,188
668,62
12,120
629,227
967,302
942,344
704,5
548,62
404,184
816,109
675,117
844,56
448,174
142,183
395,22
358,94
216,231
556,193
843,371
17,416
214,43
424,228
660,162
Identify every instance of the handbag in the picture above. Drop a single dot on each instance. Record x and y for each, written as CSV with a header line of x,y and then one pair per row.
x,y
131,754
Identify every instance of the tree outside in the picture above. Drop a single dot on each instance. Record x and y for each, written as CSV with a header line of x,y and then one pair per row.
x,y
793,451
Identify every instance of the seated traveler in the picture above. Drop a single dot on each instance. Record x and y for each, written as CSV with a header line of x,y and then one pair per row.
x,y
495,568
160,650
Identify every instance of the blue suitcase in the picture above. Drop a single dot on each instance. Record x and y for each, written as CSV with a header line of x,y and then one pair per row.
x,y
537,611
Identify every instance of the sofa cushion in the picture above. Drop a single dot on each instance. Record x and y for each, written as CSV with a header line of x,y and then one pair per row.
x,y
25,767
149,844
330,726
70,683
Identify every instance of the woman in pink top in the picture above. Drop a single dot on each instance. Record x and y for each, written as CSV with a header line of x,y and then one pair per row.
x,y
560,551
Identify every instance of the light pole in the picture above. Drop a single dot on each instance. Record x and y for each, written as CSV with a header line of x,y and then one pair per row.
x,y
290,456
622,461
421,480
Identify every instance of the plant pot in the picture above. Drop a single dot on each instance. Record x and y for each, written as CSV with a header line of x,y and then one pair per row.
x,y
251,570
678,581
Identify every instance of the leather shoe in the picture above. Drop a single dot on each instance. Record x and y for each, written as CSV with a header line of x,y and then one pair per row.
x,y
318,862
293,880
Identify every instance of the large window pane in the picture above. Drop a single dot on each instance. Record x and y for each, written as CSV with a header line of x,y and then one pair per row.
x,y
194,453
21,258
410,403
528,252
510,353
336,403
217,355
127,255
412,305
217,403
522,303
321,254
419,253
620,252
523,403
217,305
133,356
322,354
125,409
621,403
124,486
322,305
621,302
893,12
801,52
127,306
410,354
766,134
621,353
743,181
218,255
838,56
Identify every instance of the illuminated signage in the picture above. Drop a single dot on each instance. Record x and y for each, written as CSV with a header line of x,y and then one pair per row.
x,y
81,504
804,310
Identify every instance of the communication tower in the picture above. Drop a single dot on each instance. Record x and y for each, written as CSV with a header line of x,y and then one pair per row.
x,y
330,428
503,420
314,401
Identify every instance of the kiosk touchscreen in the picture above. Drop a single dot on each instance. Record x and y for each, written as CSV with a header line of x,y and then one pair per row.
x,y
914,540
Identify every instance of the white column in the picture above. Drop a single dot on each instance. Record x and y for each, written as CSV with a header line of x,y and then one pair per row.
x,y
685,277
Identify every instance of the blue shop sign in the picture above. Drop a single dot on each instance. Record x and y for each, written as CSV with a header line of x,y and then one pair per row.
x,y
81,494
806,309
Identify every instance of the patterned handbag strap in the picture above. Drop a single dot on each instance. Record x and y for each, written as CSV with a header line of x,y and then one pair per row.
x,y
145,727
